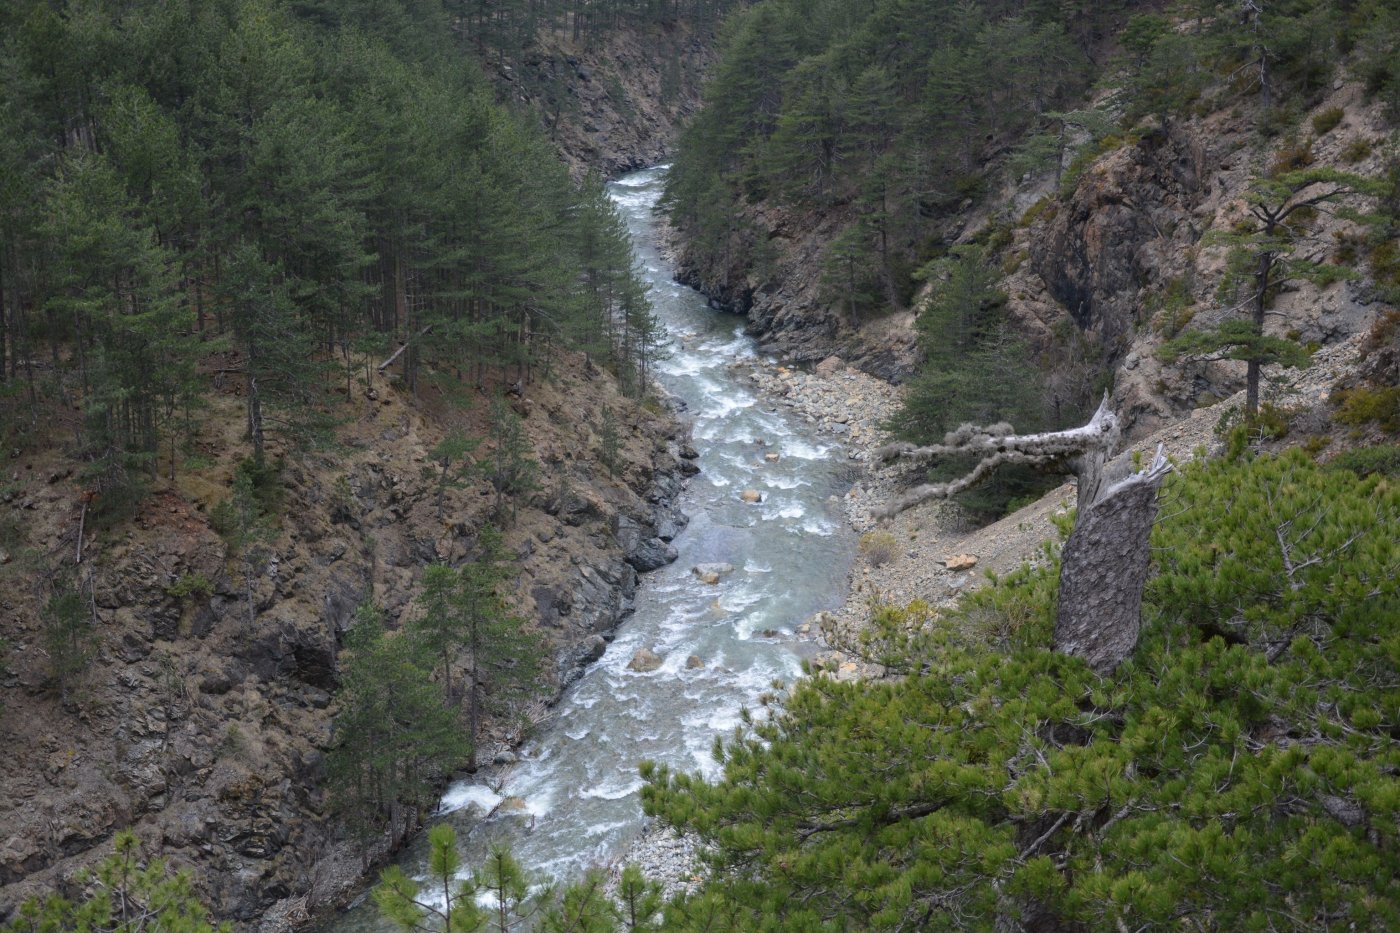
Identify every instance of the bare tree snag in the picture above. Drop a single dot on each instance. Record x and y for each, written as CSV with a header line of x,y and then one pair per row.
x,y
1084,448
1103,567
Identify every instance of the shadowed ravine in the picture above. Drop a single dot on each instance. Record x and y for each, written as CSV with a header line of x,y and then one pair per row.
x,y
576,789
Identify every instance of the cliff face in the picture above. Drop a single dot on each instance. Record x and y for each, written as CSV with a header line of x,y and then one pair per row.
x,y
203,718
1130,258
1102,260
611,103
782,299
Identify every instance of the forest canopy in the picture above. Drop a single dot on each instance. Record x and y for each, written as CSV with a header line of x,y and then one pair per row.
x,y
268,195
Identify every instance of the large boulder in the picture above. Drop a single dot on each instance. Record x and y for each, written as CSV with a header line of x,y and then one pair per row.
x,y
644,661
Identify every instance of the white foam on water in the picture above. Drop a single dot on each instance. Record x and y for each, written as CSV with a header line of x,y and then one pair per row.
x,y
818,526
461,796
724,405
788,511
755,567
784,482
578,734
738,601
796,447
613,790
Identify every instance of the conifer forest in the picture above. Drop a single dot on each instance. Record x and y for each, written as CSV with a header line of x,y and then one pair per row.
x,y
589,466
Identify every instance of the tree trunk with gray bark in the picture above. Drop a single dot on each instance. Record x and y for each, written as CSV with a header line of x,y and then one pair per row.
x,y
1104,563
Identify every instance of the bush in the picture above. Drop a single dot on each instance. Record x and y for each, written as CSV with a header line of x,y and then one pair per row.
x,y
1326,121
878,548
1368,404
1356,150
1367,461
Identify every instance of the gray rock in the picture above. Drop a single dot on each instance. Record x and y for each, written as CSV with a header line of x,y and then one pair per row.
x,y
644,661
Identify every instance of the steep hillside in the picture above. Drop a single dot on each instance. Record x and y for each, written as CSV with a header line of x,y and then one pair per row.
x,y
1109,221
614,102
203,716
169,653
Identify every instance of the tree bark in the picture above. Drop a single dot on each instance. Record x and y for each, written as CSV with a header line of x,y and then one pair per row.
x,y
1104,564
1103,570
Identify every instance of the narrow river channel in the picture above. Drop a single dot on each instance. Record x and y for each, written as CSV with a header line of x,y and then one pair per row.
x,y
572,801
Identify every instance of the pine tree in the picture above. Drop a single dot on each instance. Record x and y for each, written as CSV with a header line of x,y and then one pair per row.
x,y
1268,256
121,895
450,907
394,739
464,616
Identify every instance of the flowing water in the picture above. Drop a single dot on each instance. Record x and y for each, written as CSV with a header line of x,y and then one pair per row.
x,y
572,801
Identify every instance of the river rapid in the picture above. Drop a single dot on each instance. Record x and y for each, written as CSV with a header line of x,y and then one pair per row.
x,y
573,800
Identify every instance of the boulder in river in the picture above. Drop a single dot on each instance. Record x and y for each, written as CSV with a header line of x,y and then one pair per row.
x,y
693,663
703,570
644,661
751,495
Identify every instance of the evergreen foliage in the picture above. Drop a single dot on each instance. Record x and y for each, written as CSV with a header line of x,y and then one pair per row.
x,y
1238,773
976,369
121,895
69,638
464,616
394,737
498,897
1268,252
883,112
285,184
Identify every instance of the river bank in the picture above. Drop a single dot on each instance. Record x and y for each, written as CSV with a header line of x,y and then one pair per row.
x,y
848,406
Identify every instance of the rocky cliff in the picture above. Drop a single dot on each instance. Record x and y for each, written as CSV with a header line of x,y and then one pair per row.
x,y
611,102
203,716
1122,258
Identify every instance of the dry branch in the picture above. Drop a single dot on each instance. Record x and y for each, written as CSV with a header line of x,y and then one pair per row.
x,y
1104,563
406,344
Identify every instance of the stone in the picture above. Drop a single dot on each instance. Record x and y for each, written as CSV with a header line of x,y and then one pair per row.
x,y
504,757
693,663
513,805
593,649
719,570
709,579
751,496
770,458
830,366
957,562
644,661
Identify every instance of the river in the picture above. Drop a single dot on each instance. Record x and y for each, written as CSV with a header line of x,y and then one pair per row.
x,y
572,801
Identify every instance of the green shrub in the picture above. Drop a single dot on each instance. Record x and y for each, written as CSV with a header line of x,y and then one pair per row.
x,y
1367,461
190,584
1326,121
1356,150
1369,404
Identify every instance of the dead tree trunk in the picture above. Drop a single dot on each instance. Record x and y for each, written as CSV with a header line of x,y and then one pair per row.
x,y
1103,566
1103,569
